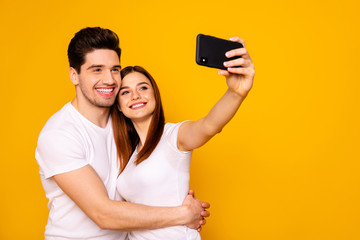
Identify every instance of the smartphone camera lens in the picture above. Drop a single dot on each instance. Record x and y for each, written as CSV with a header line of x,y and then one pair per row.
x,y
203,60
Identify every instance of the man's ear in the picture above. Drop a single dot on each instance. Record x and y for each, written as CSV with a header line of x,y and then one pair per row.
x,y
74,76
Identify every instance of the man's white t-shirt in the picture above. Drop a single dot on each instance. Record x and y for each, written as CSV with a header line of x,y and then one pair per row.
x,y
68,142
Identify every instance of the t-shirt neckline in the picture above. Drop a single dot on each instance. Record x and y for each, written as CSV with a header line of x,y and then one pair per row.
x,y
108,125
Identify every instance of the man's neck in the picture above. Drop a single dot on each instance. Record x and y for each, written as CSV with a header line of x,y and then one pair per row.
x,y
97,115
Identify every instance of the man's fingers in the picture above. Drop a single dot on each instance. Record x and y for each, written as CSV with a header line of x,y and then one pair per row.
x,y
205,204
192,193
202,222
205,213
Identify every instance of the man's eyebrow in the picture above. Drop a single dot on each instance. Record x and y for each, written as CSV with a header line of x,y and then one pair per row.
x,y
100,66
95,66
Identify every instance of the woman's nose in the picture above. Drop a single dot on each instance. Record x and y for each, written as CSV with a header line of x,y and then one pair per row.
x,y
136,95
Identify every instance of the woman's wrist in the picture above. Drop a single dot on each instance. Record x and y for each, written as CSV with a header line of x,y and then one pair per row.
x,y
235,95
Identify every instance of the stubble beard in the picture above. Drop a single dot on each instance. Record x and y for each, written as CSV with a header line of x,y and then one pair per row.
x,y
102,103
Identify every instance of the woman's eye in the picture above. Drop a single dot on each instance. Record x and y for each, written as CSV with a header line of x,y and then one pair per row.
x,y
124,92
143,88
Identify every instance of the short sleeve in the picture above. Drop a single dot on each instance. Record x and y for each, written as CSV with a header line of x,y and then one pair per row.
x,y
171,132
59,152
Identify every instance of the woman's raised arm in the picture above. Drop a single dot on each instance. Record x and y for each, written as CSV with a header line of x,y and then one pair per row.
x,y
239,78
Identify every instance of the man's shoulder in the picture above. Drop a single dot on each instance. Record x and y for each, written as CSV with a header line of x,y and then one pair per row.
x,y
65,122
62,120
61,145
63,129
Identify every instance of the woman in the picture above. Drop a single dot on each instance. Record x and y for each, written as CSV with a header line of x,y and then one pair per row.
x,y
157,155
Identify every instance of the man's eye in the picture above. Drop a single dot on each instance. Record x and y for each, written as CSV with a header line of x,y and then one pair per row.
x,y
116,70
97,69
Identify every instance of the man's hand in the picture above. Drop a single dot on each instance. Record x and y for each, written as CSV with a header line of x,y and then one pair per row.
x,y
197,211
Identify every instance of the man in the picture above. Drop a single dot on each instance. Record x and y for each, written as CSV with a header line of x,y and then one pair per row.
x,y
78,160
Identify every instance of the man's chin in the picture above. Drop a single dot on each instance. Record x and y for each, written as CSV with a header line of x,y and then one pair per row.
x,y
106,104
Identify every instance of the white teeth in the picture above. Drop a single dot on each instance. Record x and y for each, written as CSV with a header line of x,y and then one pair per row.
x,y
105,90
137,105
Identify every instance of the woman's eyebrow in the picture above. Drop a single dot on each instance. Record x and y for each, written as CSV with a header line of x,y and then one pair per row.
x,y
142,83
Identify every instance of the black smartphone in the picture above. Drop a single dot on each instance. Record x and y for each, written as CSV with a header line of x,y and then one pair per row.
x,y
210,51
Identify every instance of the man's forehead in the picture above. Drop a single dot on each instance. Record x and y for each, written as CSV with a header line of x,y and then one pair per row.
x,y
104,57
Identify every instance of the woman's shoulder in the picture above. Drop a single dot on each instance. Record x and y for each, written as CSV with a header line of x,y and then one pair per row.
x,y
169,127
172,128
170,134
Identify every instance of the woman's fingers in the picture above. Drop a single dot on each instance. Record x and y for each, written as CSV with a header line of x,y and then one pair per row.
x,y
242,71
237,52
237,39
239,62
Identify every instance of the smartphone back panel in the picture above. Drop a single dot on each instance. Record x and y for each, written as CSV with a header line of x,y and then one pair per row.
x,y
210,51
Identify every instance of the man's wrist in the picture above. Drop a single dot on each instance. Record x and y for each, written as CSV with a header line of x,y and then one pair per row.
x,y
183,213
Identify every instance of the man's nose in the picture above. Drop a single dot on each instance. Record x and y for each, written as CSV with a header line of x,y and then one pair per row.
x,y
108,78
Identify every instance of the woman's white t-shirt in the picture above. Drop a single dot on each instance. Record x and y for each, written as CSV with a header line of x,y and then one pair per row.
x,y
160,180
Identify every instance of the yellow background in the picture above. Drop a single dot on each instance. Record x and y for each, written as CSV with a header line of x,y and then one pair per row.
x,y
286,167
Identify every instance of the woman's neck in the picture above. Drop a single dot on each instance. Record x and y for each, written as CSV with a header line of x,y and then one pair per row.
x,y
142,129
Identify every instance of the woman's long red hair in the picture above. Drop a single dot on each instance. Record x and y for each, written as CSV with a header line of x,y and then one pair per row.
x,y
126,137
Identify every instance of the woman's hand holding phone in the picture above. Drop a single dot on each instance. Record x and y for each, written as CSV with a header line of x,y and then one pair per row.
x,y
240,71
